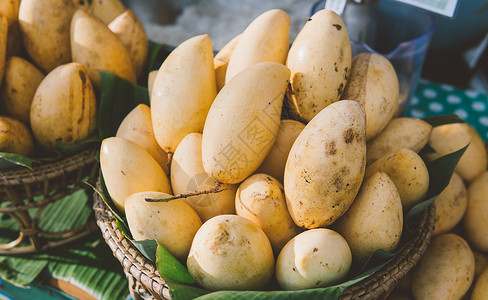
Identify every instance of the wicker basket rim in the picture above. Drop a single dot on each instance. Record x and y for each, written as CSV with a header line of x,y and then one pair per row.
x,y
47,170
378,285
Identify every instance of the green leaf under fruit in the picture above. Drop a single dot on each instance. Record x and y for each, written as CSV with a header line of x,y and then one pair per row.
x,y
443,120
172,269
64,150
121,224
148,248
118,98
441,170
9,160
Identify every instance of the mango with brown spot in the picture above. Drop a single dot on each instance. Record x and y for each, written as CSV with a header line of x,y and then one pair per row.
x,y
64,107
320,61
445,271
261,199
326,165
230,252
15,137
450,205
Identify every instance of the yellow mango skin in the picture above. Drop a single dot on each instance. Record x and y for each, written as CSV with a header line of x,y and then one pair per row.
x,y
183,92
150,80
221,61
315,258
230,252
409,173
243,122
400,133
128,169
480,261
188,175
106,10
19,87
172,224
326,165
274,164
450,205
261,199
373,83
480,290
97,48
64,107
129,29
266,39
320,62
10,9
374,220
44,25
137,127
452,137
446,270
3,44
15,137
476,216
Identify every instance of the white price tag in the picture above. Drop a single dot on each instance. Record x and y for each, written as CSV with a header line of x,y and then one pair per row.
x,y
443,7
336,6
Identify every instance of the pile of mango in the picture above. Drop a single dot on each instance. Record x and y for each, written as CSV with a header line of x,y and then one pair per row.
x,y
50,54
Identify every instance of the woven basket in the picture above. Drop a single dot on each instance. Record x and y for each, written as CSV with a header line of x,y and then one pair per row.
x,y
21,190
145,282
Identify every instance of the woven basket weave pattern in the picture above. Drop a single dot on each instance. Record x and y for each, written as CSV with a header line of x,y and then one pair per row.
x,y
145,282
21,190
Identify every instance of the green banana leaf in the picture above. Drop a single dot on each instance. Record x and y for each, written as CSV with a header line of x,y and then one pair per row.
x,y
87,263
118,98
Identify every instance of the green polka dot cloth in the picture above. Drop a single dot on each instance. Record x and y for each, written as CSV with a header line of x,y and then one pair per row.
x,y
433,99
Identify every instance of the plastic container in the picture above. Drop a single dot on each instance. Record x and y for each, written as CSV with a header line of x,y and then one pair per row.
x,y
402,33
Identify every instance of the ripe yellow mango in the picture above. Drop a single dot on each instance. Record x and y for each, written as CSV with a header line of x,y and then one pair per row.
x,y
265,39
128,169
19,86
221,61
320,62
98,48
326,165
45,31
183,92
243,122
129,29
137,127
64,107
